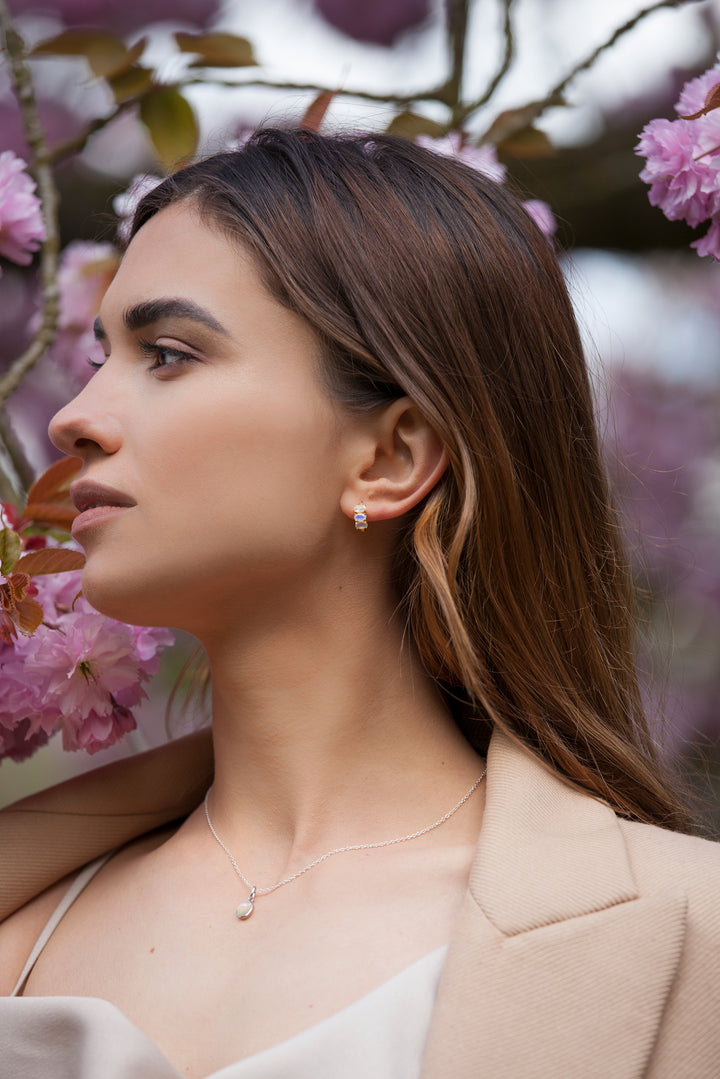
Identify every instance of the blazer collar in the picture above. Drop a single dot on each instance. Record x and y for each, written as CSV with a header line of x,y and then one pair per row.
x,y
546,851
558,965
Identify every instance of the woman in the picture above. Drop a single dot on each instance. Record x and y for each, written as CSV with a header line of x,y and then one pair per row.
x,y
344,436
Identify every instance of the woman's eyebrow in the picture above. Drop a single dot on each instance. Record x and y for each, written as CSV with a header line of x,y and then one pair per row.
x,y
145,314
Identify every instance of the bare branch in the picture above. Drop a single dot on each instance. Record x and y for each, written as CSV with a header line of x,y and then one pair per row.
x,y
504,64
24,90
457,22
552,97
434,94
22,468
77,144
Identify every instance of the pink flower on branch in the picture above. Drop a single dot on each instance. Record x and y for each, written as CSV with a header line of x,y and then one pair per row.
x,y
683,160
21,224
86,270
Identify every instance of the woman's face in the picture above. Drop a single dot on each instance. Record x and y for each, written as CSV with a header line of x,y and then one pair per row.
x,y
209,421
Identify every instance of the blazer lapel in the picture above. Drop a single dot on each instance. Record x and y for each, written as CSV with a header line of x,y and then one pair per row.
x,y
558,966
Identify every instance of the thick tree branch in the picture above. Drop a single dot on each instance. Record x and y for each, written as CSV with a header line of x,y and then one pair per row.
x,y
457,23
24,90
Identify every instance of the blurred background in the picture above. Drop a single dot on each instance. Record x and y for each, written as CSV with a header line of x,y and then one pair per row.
x,y
649,307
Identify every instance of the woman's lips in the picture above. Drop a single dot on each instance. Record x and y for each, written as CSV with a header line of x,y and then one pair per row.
x,y
95,504
94,516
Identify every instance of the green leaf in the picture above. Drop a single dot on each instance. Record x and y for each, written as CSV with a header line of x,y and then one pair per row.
x,y
50,560
172,125
10,549
528,142
217,50
511,121
132,82
410,124
105,54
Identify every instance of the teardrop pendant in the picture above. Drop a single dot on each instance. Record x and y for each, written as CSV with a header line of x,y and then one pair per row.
x,y
245,909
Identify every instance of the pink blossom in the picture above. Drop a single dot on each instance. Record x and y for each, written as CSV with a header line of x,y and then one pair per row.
x,y
683,186
84,663
709,244
694,93
482,158
21,224
18,743
542,215
86,270
126,203
93,732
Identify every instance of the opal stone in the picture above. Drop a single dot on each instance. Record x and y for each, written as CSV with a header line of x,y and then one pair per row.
x,y
244,909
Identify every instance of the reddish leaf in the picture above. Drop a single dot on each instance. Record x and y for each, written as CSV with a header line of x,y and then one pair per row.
x,y
53,484
50,560
712,101
51,514
315,112
28,615
18,610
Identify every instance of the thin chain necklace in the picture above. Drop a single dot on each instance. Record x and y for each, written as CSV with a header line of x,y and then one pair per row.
x,y
246,907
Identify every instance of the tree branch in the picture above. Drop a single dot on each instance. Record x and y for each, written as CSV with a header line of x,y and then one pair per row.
x,y
25,93
77,144
9,489
551,98
457,22
504,65
434,94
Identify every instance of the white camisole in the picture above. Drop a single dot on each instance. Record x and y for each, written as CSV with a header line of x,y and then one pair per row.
x,y
381,1035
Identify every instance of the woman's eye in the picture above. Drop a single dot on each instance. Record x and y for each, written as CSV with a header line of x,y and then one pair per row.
x,y
163,356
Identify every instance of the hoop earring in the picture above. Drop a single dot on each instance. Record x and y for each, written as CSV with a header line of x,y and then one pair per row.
x,y
360,517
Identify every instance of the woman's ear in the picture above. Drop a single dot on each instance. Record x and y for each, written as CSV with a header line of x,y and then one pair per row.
x,y
404,461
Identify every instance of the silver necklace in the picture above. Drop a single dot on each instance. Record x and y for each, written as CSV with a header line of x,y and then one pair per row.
x,y
246,907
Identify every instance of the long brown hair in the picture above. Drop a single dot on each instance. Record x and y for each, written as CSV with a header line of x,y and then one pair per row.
x,y
423,277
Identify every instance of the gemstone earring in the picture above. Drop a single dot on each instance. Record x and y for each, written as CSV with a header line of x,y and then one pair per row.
x,y
360,517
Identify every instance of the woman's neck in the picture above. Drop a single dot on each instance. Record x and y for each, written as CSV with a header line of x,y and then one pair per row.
x,y
326,734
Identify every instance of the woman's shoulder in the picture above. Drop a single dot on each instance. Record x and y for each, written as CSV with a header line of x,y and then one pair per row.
x,y
665,861
20,930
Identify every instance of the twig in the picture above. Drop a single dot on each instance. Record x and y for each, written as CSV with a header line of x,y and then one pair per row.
x,y
24,90
504,67
16,455
434,94
552,97
77,144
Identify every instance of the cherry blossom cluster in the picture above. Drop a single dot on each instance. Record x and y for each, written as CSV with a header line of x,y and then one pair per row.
x,y
683,160
484,159
63,666
21,223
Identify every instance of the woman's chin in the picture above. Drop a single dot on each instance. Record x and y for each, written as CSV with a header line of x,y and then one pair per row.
x,y
116,598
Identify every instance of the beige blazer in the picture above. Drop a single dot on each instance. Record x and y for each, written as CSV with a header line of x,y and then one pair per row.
x,y
587,947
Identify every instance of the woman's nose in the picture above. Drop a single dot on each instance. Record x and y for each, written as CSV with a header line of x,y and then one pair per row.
x,y
85,425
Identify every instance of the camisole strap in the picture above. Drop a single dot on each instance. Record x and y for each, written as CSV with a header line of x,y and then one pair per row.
x,y
81,880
